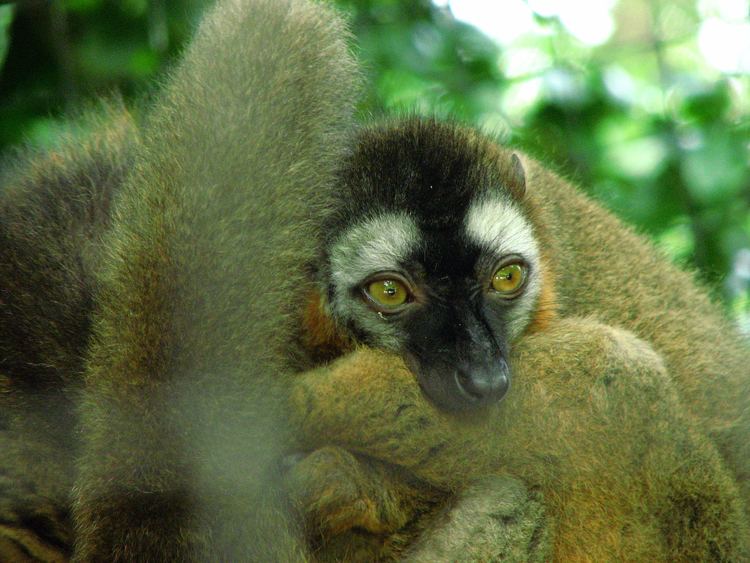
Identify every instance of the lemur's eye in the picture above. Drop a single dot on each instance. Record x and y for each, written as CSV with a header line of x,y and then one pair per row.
x,y
387,294
508,279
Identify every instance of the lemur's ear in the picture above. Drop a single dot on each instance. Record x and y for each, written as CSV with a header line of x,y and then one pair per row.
x,y
517,177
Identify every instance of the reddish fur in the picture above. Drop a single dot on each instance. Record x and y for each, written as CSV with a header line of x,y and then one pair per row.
x,y
320,336
546,309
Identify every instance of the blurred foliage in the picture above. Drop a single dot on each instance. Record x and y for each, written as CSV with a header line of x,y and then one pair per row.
x,y
63,53
647,115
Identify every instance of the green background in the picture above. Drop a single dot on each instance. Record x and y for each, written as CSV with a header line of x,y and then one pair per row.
x,y
643,120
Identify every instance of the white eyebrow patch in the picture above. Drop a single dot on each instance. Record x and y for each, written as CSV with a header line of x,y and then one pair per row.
x,y
498,226
378,244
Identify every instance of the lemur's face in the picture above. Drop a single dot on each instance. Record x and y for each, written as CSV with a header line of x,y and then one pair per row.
x,y
430,259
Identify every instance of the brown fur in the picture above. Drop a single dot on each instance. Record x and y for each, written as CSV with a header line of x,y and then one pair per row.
x,y
181,415
53,208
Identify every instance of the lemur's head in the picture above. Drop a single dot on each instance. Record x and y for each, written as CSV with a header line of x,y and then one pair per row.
x,y
431,254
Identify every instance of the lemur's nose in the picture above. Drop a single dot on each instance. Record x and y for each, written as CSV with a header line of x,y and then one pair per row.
x,y
484,384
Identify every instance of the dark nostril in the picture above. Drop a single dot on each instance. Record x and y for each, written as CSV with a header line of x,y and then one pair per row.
x,y
483,386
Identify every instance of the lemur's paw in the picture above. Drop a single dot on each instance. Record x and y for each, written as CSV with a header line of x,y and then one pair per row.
x,y
329,488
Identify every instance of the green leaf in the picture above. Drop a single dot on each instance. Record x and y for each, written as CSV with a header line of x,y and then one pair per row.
x,y
716,170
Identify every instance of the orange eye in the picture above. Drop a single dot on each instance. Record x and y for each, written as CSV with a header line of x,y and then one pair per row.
x,y
387,294
508,279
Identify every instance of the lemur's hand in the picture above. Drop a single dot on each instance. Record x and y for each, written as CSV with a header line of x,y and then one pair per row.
x,y
336,491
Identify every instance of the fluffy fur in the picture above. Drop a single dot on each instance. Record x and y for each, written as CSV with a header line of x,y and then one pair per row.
x,y
184,376
53,208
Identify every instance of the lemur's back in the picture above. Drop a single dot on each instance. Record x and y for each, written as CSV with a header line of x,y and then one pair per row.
x,y
625,281
54,205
